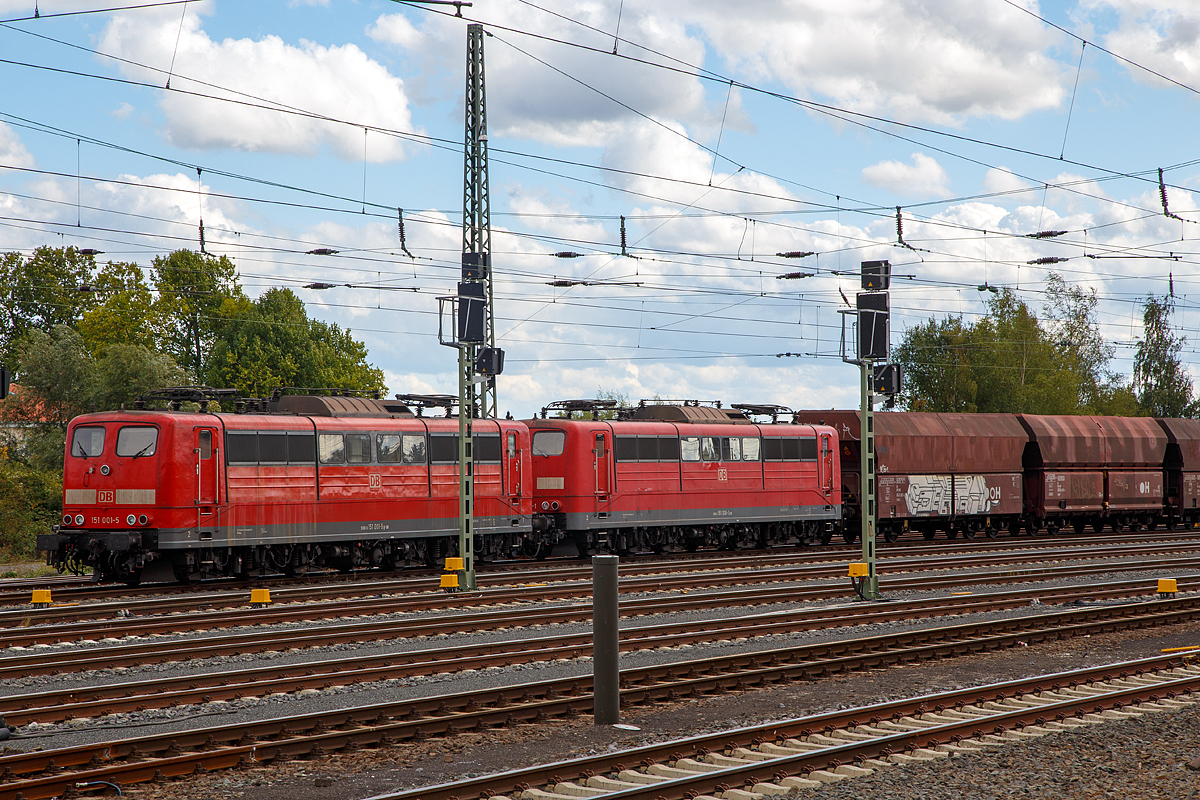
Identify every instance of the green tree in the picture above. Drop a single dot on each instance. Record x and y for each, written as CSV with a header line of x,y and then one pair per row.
x,y
1163,386
272,343
196,293
42,291
1018,369
936,361
125,311
60,379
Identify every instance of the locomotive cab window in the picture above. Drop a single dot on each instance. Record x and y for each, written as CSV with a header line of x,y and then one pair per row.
x,y
332,448
87,442
549,443
137,441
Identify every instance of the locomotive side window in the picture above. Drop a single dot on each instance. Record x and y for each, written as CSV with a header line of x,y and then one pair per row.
x,y
731,448
414,448
87,442
302,448
133,442
791,449
808,449
358,448
332,448
647,448
750,448
549,443
625,448
443,449
689,448
487,448
710,448
668,448
388,446
241,448
272,448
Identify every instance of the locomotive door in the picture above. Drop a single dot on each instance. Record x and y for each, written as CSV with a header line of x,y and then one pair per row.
x,y
602,461
512,465
207,473
826,462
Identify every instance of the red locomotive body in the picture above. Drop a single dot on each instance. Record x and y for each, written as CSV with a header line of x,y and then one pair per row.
x,y
679,476
314,481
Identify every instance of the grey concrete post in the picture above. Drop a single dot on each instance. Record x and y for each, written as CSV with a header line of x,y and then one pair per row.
x,y
606,651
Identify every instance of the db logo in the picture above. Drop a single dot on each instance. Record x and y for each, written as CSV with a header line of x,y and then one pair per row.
x,y
105,497
375,480
722,474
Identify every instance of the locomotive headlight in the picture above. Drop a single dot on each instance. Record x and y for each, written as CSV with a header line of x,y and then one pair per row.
x,y
79,519
130,519
545,505
554,505
66,519
143,519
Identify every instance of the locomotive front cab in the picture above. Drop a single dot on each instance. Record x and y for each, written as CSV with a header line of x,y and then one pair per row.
x,y
114,476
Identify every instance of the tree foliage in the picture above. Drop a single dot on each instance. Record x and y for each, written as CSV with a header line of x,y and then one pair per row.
x,y
42,291
271,342
196,292
1011,361
1163,386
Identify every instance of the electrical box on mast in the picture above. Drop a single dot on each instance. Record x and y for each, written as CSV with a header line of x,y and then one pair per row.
x,y
872,326
490,361
886,379
876,276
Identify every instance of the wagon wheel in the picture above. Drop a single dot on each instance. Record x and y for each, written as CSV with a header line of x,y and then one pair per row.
x,y
928,533
990,532
951,533
968,532
849,535
890,534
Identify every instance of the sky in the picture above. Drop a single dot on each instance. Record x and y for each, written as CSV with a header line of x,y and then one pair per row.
x,y
723,134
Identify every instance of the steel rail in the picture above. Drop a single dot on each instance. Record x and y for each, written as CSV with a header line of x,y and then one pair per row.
x,y
163,691
18,627
379,724
265,640
15,591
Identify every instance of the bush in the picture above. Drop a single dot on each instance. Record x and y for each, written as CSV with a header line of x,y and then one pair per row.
x,y
30,502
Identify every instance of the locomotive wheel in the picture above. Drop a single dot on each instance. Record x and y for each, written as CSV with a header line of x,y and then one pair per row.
x,y
827,536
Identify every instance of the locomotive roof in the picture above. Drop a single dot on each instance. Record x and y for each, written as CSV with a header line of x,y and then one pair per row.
x,y
689,413
319,406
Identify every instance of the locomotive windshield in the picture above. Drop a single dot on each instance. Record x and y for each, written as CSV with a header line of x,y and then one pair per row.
x,y
133,442
88,442
549,443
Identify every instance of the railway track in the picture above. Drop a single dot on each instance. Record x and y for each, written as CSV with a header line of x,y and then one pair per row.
x,y
51,772
25,627
775,760
234,684
16,591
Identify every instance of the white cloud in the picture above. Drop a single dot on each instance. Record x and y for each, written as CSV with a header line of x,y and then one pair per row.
x,y
923,178
122,111
12,151
1001,179
1163,35
339,81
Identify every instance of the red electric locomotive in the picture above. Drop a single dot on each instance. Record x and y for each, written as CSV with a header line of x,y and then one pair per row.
x,y
282,486
680,475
